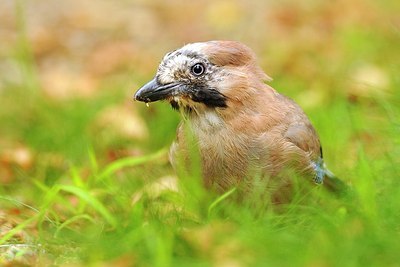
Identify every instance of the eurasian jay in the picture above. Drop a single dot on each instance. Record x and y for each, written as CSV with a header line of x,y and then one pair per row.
x,y
243,128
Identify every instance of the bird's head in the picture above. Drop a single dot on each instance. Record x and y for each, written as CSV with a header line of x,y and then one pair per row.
x,y
204,75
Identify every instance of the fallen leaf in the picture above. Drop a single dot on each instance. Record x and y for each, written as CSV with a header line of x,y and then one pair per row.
x,y
61,82
122,120
21,156
368,80
110,56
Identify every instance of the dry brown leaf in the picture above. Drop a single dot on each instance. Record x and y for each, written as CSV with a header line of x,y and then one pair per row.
x,y
62,83
368,80
156,188
21,156
122,120
110,56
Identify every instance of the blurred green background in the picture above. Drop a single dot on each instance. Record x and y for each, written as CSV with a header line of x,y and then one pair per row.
x,y
84,174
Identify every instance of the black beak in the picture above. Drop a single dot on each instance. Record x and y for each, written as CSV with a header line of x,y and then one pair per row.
x,y
153,91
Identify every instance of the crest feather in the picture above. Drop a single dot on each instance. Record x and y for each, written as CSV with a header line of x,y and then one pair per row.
x,y
223,53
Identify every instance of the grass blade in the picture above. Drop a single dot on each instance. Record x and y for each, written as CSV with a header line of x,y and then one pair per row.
x,y
219,200
92,201
129,162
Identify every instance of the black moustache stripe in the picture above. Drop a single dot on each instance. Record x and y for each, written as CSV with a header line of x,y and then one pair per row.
x,y
209,97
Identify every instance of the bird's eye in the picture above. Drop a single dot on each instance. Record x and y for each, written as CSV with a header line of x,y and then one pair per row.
x,y
198,69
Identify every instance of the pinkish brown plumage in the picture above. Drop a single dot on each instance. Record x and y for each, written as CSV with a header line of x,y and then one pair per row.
x,y
243,127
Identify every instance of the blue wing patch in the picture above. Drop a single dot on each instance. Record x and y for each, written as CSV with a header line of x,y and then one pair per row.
x,y
320,171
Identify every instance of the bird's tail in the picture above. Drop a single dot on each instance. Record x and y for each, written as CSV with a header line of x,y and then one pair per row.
x,y
335,185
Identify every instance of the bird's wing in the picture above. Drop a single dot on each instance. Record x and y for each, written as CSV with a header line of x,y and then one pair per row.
x,y
304,136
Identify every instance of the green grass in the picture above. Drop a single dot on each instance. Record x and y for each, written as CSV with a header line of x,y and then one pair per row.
x,y
77,207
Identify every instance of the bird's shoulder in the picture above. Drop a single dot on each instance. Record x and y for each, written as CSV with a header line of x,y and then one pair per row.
x,y
292,124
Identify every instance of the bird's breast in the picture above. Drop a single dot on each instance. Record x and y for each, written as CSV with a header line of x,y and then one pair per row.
x,y
225,154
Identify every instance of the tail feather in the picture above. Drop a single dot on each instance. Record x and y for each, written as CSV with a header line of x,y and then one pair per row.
x,y
335,185
324,176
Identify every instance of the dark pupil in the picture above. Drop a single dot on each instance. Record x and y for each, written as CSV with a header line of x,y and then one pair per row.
x,y
198,69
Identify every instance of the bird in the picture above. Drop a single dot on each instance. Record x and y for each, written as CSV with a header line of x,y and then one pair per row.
x,y
243,128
